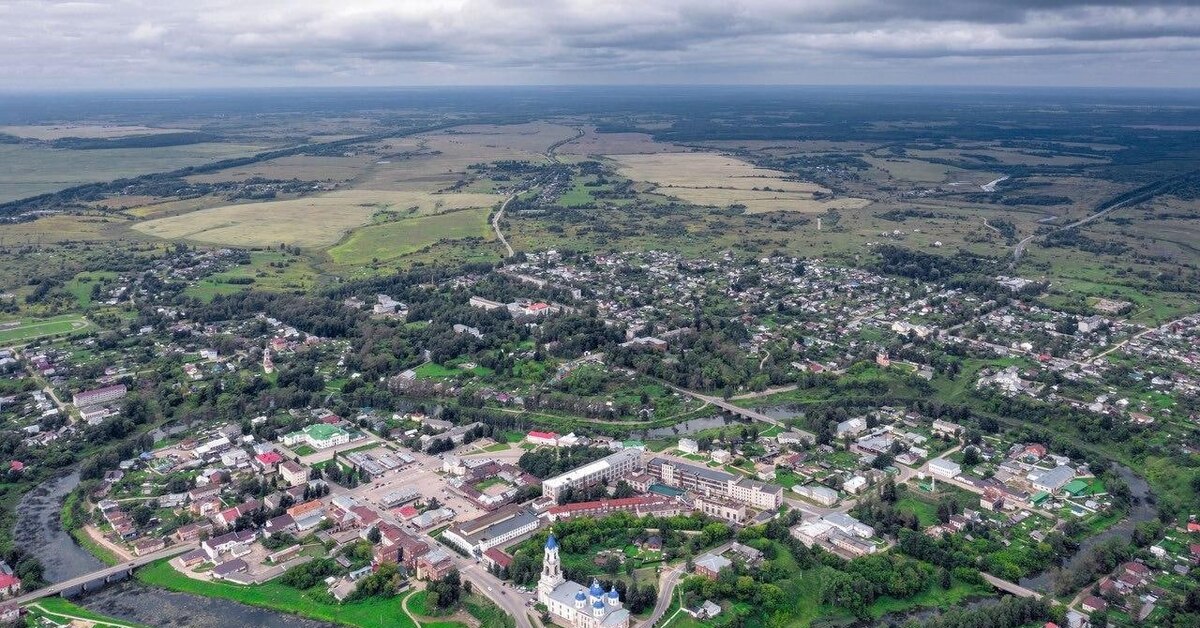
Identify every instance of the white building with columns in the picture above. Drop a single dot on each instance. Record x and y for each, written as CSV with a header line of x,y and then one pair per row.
x,y
573,605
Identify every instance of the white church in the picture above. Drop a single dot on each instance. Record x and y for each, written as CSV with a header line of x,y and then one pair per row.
x,y
573,605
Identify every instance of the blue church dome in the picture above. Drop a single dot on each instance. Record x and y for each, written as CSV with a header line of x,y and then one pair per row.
x,y
597,590
580,596
551,542
612,593
598,604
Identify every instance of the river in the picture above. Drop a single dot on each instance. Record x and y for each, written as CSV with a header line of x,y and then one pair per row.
x,y
1141,510
38,530
688,427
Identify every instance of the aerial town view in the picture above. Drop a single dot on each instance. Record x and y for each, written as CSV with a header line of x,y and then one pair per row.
x,y
497,314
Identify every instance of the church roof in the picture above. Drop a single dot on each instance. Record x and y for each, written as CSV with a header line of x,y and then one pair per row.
x,y
551,542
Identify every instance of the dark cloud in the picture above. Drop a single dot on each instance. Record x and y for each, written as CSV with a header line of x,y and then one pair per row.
x,y
141,43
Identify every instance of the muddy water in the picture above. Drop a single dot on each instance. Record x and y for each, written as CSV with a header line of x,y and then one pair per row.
x,y
38,530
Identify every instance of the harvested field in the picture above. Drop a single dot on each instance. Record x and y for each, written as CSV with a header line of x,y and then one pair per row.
x,y
436,160
64,228
713,179
316,221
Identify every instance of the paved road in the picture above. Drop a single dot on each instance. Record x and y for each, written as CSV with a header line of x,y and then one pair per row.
x,y
507,598
1019,250
99,574
667,583
552,158
666,591
1139,335
508,249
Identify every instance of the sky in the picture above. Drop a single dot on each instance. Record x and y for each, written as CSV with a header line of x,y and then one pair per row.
x,y
140,44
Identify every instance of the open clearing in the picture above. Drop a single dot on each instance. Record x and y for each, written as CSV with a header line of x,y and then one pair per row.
x,y
712,179
393,239
317,221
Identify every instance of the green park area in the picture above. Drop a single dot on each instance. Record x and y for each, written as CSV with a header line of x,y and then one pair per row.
x,y
376,612
12,332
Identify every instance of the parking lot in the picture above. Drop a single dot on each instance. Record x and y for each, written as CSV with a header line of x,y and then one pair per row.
x,y
423,477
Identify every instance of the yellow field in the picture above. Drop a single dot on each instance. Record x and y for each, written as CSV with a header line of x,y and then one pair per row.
x,y
317,221
50,132
63,228
713,179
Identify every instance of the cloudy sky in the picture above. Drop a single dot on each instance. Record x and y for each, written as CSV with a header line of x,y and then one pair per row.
x,y
206,43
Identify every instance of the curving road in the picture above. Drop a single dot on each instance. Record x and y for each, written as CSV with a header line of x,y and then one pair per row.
x,y
508,249
552,158
667,583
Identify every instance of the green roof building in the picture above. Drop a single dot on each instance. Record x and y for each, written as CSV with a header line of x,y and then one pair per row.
x,y
1076,487
319,436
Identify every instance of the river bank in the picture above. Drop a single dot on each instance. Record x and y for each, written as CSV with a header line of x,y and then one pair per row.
x,y
39,531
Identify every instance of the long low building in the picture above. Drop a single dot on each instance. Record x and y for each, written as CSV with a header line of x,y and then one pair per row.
x,y
493,529
603,470
716,483
658,505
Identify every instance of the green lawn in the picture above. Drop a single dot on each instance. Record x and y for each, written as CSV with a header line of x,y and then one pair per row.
x,y
432,370
105,555
81,285
926,512
418,604
30,329
372,613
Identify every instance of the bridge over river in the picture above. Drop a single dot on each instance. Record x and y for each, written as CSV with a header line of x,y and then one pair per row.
x,y
101,577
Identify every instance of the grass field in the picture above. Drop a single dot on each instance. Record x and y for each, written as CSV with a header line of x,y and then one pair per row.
x,y
269,270
64,228
31,329
395,239
31,169
81,285
62,611
316,221
372,613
